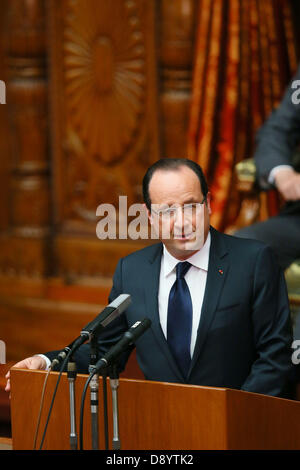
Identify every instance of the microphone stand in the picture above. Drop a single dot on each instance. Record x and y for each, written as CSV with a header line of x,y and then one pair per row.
x,y
72,372
94,389
114,385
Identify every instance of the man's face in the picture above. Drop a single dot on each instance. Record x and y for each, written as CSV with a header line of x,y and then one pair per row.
x,y
183,230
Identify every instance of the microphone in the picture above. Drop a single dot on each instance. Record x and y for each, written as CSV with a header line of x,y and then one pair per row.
x,y
111,311
128,338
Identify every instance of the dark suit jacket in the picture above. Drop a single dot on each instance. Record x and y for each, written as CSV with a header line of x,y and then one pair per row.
x,y
277,141
244,334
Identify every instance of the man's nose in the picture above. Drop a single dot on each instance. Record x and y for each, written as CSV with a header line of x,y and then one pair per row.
x,y
181,219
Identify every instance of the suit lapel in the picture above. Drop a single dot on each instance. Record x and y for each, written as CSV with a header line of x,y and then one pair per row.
x,y
151,302
217,272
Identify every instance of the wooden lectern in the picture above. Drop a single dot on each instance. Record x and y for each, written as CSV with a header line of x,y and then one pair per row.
x,y
156,416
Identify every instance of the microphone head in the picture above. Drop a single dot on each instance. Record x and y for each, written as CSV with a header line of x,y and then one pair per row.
x,y
122,302
117,306
142,324
138,328
112,311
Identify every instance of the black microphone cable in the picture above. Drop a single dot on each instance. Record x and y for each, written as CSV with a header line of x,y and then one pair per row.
x,y
41,407
53,397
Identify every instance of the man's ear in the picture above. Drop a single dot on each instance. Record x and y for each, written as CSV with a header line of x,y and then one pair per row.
x,y
207,202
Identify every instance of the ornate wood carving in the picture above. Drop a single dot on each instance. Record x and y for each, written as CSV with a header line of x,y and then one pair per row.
x,y
105,121
103,97
105,75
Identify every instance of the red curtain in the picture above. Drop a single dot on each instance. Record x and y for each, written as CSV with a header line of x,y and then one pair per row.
x,y
245,56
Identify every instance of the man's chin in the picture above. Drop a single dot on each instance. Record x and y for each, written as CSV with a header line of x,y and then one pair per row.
x,y
194,244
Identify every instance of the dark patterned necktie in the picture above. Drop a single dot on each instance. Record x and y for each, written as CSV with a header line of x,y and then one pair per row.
x,y
180,313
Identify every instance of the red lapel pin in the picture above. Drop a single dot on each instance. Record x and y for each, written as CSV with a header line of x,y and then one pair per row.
x,y
220,271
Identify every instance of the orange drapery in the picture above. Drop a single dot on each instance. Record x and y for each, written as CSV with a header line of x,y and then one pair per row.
x,y
245,56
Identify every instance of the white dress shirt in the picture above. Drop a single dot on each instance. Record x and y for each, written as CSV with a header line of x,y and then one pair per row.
x,y
271,178
195,279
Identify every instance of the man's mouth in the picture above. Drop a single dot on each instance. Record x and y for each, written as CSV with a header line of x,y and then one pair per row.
x,y
183,236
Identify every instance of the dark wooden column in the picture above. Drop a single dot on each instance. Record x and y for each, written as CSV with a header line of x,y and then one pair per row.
x,y
28,241
177,23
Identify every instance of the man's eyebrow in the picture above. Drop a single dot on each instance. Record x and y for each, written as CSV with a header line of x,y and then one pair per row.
x,y
192,199
170,204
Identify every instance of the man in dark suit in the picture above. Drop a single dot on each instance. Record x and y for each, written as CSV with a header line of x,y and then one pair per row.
x,y
218,304
278,166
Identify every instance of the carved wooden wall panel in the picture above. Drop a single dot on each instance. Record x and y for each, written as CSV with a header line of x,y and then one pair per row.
x,y
104,103
104,118
97,91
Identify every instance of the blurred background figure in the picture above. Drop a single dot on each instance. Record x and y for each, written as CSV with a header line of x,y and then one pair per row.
x,y
277,162
278,165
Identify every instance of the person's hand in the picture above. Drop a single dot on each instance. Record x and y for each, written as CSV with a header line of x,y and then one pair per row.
x,y
34,362
287,182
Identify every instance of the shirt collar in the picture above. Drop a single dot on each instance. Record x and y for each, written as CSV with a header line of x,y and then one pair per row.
x,y
199,259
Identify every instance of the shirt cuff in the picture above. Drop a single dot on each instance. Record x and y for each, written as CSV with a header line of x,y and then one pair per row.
x,y
48,362
271,178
